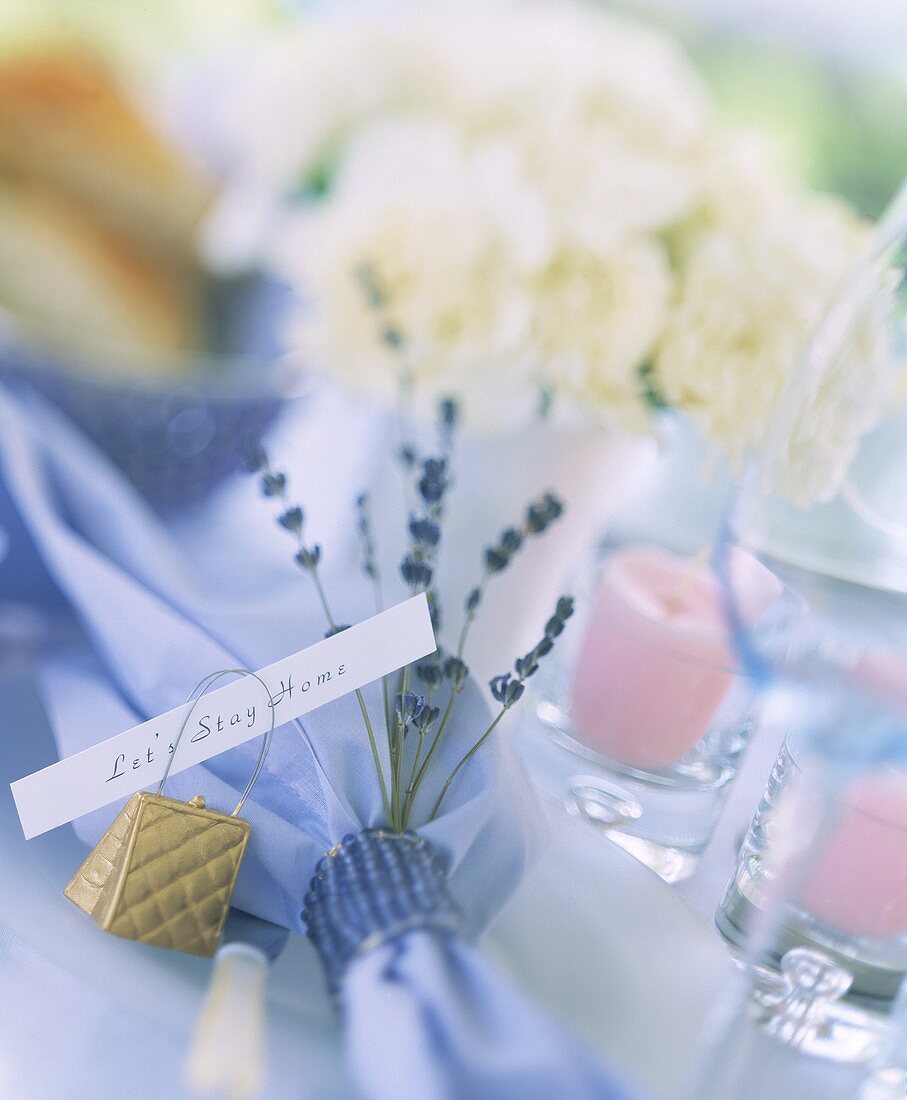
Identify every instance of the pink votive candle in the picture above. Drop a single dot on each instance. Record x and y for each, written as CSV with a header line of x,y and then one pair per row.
x,y
656,662
860,882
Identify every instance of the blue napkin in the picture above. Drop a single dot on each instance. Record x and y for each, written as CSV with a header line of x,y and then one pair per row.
x,y
155,626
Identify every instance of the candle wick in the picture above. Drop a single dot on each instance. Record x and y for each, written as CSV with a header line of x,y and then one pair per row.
x,y
676,599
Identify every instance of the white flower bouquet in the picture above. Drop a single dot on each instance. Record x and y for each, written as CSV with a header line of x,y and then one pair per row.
x,y
558,219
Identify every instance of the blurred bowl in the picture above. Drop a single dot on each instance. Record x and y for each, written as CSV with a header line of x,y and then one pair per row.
x,y
174,425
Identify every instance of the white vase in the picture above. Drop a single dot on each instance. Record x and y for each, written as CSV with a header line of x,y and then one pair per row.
x,y
590,470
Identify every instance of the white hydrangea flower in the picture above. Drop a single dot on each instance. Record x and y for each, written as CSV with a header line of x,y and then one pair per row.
x,y
608,116
748,296
307,90
494,307
562,56
597,317
454,239
605,116
741,187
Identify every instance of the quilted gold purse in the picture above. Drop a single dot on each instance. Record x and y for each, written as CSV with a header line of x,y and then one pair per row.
x,y
165,870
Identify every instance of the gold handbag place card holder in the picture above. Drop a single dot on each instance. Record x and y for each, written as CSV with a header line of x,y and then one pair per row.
x,y
164,871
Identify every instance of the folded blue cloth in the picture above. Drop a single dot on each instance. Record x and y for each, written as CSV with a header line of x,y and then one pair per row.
x,y
155,626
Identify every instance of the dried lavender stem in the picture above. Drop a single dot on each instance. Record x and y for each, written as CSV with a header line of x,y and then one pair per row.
x,y
319,588
373,744
465,760
416,781
397,764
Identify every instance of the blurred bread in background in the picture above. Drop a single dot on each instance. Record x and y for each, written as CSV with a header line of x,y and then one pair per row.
x,y
98,213
74,284
64,121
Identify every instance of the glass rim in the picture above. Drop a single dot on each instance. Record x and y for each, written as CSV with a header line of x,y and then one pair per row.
x,y
841,793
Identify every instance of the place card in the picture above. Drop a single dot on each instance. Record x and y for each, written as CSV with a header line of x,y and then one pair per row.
x,y
225,717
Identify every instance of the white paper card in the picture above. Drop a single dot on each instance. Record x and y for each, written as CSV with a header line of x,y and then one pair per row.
x,y
225,717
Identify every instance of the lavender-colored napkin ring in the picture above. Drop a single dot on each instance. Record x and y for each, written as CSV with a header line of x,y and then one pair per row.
x,y
371,888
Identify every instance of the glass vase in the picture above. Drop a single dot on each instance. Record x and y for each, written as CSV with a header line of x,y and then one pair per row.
x,y
817,903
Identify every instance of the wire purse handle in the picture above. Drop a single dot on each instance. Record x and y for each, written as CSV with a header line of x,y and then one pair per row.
x,y
195,698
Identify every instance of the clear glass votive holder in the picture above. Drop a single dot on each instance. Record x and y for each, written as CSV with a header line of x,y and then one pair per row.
x,y
640,727
818,902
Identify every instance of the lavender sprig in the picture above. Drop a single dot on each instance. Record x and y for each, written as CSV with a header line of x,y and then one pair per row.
x,y
430,673
424,725
540,515
391,336
371,570
456,673
292,519
508,689
376,297
448,419
367,543
408,711
418,566
418,570
425,529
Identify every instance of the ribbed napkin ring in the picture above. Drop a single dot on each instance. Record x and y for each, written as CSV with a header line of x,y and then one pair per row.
x,y
374,887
